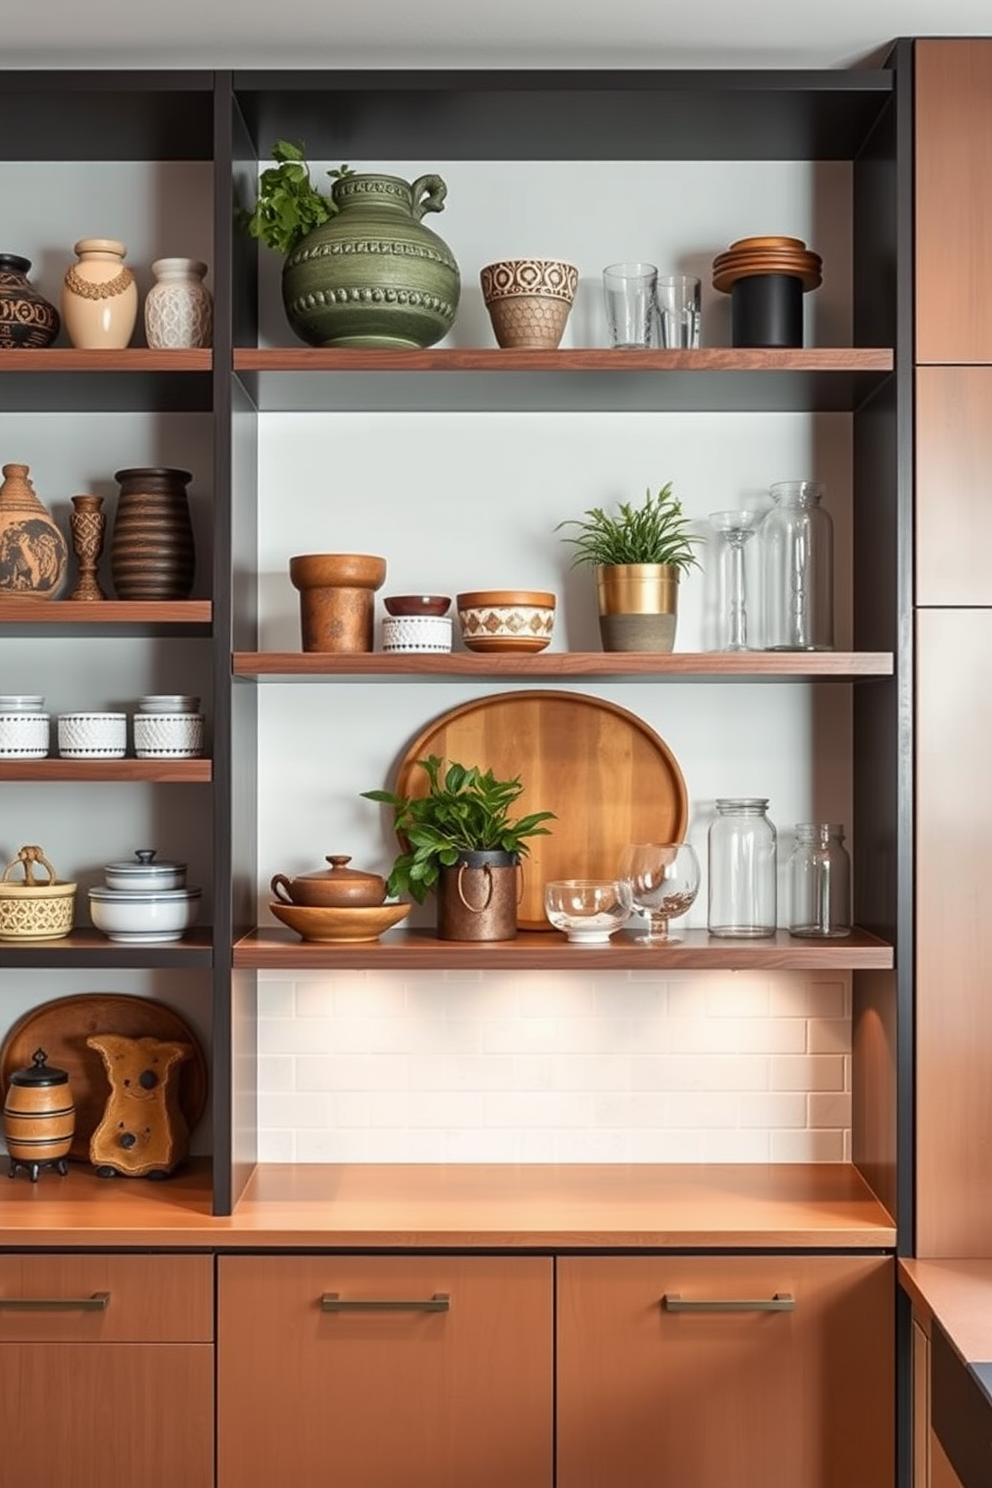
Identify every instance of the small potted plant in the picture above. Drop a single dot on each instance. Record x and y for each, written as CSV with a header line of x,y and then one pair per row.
x,y
638,555
360,269
460,838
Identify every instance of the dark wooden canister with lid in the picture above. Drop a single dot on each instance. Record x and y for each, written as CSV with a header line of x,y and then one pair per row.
x,y
39,1118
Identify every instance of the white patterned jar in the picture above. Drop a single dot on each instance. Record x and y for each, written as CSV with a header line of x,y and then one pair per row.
x,y
179,311
92,735
99,296
416,633
168,735
24,734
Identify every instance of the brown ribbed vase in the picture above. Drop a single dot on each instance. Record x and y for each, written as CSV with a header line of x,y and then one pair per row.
x,y
152,556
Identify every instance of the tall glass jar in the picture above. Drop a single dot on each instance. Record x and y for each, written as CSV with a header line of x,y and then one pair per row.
x,y
797,538
743,867
820,882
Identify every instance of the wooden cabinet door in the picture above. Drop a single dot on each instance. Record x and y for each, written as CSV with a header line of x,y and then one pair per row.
x,y
385,1395
656,1398
953,486
953,1006
86,1415
953,202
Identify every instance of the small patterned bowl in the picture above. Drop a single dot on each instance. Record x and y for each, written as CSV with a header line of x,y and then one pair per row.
x,y
416,633
168,735
529,300
506,619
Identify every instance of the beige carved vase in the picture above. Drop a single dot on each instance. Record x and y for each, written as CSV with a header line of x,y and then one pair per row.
x,y
33,552
99,296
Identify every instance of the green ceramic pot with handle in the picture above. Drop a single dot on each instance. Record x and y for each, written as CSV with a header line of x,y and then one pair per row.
x,y
374,275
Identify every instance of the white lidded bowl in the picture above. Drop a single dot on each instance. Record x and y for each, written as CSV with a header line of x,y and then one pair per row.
x,y
416,633
168,735
168,702
92,735
142,875
589,910
143,918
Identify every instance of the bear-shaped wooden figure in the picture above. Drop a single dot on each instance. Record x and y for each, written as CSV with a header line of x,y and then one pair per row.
x,y
143,1132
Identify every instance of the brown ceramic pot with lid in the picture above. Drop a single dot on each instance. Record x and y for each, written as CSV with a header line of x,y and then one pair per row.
x,y
337,887
39,1118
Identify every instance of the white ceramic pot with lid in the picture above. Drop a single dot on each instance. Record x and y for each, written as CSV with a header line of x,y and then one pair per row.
x,y
142,874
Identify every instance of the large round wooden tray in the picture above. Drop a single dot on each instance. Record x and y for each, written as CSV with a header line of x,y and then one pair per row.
x,y
62,1027
609,778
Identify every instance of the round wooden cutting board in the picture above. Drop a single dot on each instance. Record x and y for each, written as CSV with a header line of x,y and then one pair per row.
x,y
62,1027
607,776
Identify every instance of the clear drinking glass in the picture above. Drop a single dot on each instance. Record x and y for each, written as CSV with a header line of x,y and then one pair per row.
x,y
736,528
663,878
797,538
743,866
820,882
678,298
629,292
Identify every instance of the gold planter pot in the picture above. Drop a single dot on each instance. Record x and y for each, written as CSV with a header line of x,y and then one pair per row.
x,y
638,606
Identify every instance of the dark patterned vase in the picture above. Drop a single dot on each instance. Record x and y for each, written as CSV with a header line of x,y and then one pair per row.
x,y
374,275
152,556
26,317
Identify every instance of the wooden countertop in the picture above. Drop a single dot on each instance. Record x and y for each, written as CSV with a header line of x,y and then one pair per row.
x,y
460,1206
958,1293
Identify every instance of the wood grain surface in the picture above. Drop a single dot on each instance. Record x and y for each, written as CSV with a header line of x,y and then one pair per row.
x,y
62,1027
607,776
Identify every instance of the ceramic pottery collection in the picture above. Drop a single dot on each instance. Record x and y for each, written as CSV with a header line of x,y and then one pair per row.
x,y
374,275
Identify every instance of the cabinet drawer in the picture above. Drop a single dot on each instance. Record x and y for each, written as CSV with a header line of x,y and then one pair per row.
x,y
106,1298
778,1371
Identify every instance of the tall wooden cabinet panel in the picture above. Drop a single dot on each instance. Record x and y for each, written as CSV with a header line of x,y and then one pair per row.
x,y
391,1389
729,1393
953,202
953,485
954,1010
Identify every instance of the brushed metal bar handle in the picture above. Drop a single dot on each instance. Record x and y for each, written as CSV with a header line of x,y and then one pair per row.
x,y
780,1302
97,1303
334,1302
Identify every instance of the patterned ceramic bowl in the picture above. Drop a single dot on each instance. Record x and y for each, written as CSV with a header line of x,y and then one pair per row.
x,y
168,735
416,633
529,300
24,735
506,619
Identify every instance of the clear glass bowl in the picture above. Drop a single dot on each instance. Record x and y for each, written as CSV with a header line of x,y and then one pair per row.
x,y
589,910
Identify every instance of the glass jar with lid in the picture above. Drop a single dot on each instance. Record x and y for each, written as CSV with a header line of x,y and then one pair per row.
x,y
820,882
797,539
743,866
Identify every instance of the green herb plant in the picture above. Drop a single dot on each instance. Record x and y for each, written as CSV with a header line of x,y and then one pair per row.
x,y
654,532
289,205
464,810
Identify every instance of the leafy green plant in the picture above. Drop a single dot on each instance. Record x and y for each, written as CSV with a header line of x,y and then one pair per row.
x,y
464,810
289,205
654,532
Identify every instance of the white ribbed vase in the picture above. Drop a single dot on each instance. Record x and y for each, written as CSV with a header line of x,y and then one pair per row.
x,y
178,309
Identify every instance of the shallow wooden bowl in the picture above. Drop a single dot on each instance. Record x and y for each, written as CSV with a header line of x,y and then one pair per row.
x,y
343,926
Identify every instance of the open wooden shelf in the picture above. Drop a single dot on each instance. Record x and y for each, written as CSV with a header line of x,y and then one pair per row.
x,y
110,616
87,948
278,949
131,380
158,771
767,666
719,379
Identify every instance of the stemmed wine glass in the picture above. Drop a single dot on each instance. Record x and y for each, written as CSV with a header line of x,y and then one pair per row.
x,y
736,528
664,880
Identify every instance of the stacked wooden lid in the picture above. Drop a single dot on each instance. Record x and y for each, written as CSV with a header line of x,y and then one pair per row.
x,y
770,255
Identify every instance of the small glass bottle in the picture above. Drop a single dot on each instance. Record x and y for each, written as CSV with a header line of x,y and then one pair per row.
x,y
742,869
820,882
797,538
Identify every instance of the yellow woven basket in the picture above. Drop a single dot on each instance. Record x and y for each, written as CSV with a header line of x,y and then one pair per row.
x,y
34,910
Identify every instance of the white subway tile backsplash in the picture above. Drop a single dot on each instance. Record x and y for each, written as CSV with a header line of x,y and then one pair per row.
x,y
476,1067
